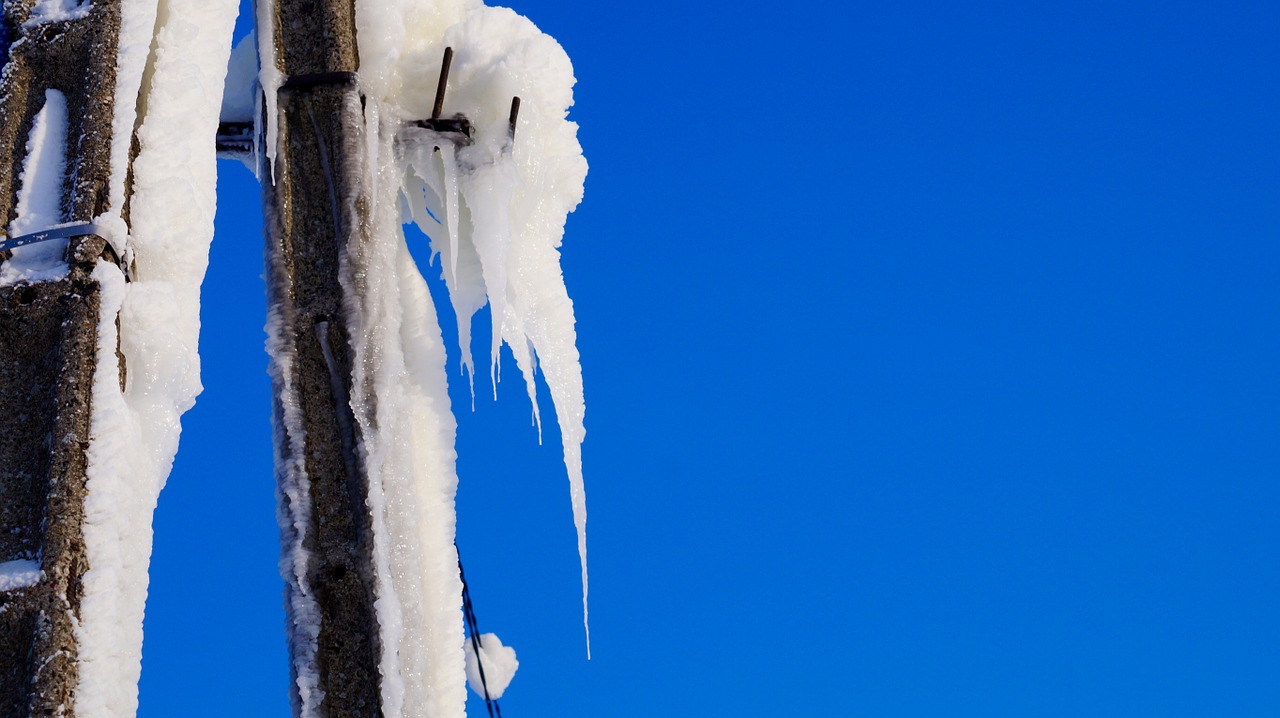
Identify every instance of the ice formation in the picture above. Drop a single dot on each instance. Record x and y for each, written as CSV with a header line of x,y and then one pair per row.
x,y
494,210
499,664
175,60
19,574
57,11
239,98
40,196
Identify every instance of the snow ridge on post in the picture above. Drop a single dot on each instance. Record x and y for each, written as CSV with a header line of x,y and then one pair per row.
x,y
136,425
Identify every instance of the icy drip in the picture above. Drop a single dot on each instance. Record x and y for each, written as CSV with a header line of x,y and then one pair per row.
x,y
40,196
488,182
400,400
269,79
431,193
134,430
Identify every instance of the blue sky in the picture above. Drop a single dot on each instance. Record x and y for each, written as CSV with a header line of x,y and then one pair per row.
x,y
930,355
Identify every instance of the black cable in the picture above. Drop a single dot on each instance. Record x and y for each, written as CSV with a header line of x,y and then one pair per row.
x,y
469,615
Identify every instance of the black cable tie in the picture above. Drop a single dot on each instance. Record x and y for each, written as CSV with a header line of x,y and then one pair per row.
x,y
79,229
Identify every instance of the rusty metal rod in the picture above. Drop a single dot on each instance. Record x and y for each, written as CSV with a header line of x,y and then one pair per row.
x,y
444,79
515,112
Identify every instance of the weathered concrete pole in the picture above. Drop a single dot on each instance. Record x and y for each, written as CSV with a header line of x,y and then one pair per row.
x,y
48,340
315,207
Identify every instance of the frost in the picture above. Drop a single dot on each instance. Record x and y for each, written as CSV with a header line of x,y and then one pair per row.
x,y
57,11
19,574
40,196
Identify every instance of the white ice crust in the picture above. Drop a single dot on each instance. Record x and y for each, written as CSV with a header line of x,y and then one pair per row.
x,y
134,431
400,400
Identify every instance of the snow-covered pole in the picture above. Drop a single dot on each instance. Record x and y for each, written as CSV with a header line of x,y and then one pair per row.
x,y
58,78
316,206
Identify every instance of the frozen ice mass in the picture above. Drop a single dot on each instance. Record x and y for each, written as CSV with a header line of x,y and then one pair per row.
x,y
494,210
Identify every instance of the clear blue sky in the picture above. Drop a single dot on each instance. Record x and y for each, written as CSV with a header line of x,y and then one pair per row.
x,y
930,355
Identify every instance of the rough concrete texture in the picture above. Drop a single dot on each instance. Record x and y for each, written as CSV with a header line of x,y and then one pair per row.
x,y
311,208
48,343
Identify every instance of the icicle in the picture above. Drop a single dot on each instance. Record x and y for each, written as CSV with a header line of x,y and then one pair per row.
x,y
488,182
449,180
269,78
425,189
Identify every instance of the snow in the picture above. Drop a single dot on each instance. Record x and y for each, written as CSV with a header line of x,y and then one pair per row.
x,y
22,573
499,663
137,26
134,430
40,196
57,11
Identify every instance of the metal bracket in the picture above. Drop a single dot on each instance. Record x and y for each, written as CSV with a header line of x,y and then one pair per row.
x,y
234,139
457,129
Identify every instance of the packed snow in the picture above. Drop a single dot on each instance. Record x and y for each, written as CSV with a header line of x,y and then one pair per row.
x,y
57,11
499,663
135,430
22,573
40,196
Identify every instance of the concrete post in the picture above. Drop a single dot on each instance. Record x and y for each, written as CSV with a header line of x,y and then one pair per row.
x,y
315,207
48,345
